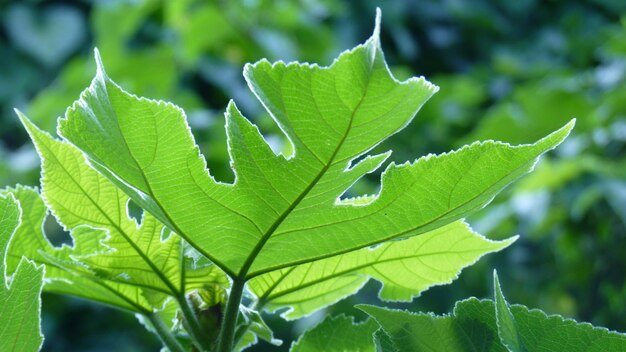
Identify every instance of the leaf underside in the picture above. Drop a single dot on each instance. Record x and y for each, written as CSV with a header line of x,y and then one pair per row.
x,y
284,225
20,301
405,268
283,211
113,259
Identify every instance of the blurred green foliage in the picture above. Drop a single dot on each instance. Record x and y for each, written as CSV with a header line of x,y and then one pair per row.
x,y
508,70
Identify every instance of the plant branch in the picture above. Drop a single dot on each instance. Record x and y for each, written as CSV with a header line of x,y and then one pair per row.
x,y
227,332
164,334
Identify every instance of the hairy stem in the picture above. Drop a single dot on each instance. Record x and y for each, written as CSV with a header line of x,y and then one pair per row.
x,y
165,335
229,323
192,324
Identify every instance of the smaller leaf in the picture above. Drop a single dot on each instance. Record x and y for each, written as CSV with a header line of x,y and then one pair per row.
x,y
507,328
65,275
338,334
20,295
415,332
475,326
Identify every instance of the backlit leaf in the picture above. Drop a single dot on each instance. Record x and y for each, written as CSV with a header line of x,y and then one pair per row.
x,y
287,210
20,301
406,268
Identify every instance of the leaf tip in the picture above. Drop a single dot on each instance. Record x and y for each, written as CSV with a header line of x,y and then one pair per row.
x,y
557,137
18,112
507,242
376,34
99,65
496,282
366,308
564,131
26,122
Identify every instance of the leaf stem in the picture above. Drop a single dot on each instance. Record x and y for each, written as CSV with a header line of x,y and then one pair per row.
x,y
164,334
192,324
229,323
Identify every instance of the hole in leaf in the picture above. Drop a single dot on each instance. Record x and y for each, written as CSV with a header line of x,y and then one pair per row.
x,y
55,232
134,211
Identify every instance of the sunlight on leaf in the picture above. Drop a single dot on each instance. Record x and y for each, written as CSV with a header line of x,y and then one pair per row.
x,y
20,301
283,211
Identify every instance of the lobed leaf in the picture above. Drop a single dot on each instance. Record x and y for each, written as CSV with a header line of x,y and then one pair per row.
x,y
405,268
283,211
20,300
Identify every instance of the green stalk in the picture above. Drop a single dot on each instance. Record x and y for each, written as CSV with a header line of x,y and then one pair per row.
x,y
192,323
164,334
227,332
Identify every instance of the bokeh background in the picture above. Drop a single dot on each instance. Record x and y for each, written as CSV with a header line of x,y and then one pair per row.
x,y
508,70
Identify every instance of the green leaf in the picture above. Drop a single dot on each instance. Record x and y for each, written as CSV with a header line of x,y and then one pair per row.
x,y
425,332
338,334
406,268
282,211
64,274
20,301
473,326
147,254
507,327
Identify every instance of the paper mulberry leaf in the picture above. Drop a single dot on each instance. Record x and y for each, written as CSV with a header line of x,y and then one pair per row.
x,y
473,326
338,334
20,301
406,268
147,254
283,211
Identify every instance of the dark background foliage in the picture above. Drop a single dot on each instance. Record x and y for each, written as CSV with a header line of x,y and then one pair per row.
x,y
508,70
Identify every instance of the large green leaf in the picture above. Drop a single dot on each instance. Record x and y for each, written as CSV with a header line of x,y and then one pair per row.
x,y
147,254
406,268
20,301
480,326
338,334
283,211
